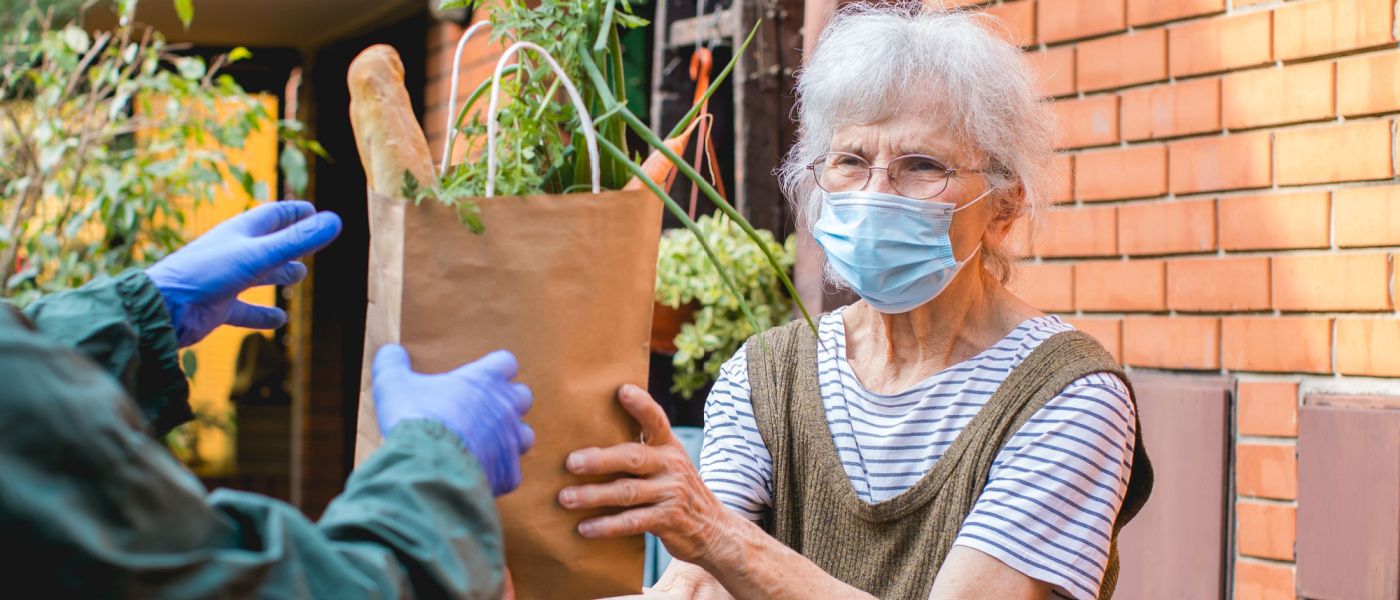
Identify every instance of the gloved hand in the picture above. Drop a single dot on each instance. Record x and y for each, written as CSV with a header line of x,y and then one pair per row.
x,y
476,401
201,282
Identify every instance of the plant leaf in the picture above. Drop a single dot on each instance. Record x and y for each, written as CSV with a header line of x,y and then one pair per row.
x,y
185,10
293,165
189,363
239,53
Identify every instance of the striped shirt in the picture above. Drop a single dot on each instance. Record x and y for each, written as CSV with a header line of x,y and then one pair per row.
x,y
1053,491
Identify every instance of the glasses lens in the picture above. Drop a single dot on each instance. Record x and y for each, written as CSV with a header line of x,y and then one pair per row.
x,y
841,172
919,176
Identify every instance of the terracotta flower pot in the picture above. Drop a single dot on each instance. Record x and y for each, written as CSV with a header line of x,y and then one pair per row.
x,y
666,322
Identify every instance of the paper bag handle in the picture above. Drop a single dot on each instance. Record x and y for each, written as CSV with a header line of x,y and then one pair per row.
x,y
589,134
451,127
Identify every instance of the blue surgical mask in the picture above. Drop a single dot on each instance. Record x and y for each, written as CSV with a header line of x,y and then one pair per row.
x,y
894,251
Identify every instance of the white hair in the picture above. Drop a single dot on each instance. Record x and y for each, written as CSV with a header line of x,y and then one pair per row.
x,y
873,61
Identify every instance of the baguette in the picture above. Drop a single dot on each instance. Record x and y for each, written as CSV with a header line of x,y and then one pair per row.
x,y
389,138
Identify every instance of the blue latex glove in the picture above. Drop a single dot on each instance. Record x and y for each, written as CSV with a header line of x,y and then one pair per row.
x,y
201,282
477,402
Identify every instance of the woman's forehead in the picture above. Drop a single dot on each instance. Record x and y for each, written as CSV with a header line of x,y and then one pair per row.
x,y
911,132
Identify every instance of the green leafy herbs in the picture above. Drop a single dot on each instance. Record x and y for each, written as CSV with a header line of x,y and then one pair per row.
x,y
684,275
108,139
468,211
538,125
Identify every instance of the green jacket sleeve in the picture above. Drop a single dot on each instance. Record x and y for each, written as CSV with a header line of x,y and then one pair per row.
x,y
121,323
91,506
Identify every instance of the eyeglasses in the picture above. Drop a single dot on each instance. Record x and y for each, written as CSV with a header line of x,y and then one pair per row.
x,y
913,175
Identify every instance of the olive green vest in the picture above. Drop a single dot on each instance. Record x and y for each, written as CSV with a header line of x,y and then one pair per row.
x,y
894,549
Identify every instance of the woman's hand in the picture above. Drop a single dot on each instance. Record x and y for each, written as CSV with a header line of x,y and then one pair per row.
x,y
667,498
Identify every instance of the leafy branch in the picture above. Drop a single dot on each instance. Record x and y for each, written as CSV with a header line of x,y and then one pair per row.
x,y
110,138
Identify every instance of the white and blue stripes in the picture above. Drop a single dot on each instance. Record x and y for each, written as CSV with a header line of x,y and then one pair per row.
x,y
1053,492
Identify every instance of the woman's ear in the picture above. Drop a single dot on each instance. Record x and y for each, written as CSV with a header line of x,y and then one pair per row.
x,y
1009,206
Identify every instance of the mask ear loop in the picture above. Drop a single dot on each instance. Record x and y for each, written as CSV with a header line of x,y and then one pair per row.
x,y
979,198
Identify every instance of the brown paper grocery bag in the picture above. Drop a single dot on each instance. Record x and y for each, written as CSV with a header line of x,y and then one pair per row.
x,y
565,282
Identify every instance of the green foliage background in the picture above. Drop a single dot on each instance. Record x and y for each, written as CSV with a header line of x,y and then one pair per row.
x,y
82,193
685,275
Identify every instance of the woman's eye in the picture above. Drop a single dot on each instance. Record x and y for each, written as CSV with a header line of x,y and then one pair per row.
x,y
846,161
923,165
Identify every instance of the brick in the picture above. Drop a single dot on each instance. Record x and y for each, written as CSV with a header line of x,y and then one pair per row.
x,y
1167,227
1046,286
1368,347
1060,20
1091,121
1267,530
1107,331
1266,471
1171,110
1263,581
1327,282
1233,284
1252,98
1063,190
1172,342
1368,216
1221,163
1304,29
1122,60
1019,20
443,34
1077,232
1223,44
1268,408
1054,69
1351,152
1133,172
1368,84
1277,344
1120,286
1277,221
1143,12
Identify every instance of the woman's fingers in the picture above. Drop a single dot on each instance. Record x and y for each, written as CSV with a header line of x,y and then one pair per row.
x,y
632,522
656,428
622,492
634,458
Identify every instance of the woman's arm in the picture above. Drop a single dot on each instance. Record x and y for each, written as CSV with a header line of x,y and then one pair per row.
x,y
1053,494
669,499
970,574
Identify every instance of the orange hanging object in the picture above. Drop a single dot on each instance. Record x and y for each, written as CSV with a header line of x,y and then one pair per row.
x,y
700,63
658,167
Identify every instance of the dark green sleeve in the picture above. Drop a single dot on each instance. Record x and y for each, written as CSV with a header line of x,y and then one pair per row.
x,y
121,323
91,506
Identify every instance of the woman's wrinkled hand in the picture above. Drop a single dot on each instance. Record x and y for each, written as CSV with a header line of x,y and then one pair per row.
x,y
665,497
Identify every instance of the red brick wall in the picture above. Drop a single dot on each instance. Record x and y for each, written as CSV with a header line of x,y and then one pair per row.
x,y
478,64
1231,205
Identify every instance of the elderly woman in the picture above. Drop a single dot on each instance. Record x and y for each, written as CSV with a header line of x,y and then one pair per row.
x,y
940,437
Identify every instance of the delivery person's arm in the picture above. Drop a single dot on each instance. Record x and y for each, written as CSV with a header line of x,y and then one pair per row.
x,y
121,324
133,325
91,506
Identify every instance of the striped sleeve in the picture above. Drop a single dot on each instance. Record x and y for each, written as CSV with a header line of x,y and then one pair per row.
x,y
1054,492
734,462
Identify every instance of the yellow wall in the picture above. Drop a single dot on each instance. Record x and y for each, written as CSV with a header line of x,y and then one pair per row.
x,y
216,354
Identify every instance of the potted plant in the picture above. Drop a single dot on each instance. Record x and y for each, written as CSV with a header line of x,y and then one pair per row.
x,y
710,325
